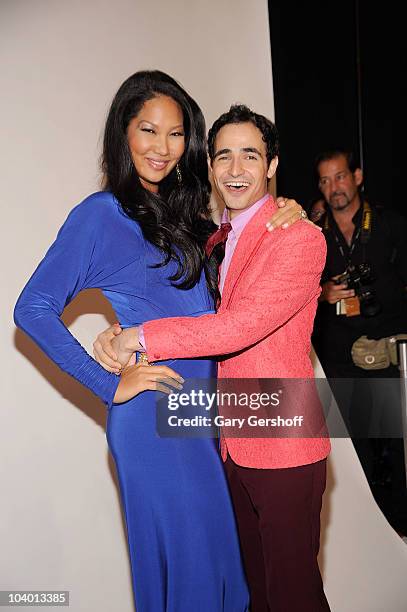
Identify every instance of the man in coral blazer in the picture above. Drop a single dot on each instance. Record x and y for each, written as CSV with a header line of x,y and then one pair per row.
x,y
269,283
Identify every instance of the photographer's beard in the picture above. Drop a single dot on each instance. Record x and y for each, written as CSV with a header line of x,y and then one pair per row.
x,y
339,201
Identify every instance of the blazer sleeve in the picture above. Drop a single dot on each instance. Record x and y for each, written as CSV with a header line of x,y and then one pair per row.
x,y
282,287
70,265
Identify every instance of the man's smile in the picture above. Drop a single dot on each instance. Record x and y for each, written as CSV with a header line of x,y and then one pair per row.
x,y
236,186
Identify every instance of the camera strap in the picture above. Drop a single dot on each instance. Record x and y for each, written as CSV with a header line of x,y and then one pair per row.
x,y
350,307
363,232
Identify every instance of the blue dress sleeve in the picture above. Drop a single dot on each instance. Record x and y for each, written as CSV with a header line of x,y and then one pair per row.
x,y
73,262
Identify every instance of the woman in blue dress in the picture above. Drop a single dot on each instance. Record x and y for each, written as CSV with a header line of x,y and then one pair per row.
x,y
141,241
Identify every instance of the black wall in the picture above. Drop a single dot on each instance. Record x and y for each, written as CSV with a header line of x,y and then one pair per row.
x,y
336,73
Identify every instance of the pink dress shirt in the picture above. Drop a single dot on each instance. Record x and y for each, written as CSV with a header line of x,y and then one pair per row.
x,y
238,224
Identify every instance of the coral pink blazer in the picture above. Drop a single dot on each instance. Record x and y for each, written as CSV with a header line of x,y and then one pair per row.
x,y
262,328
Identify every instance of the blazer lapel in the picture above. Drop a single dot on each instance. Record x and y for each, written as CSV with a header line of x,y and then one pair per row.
x,y
248,243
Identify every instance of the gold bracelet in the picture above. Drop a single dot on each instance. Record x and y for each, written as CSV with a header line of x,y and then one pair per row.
x,y
142,359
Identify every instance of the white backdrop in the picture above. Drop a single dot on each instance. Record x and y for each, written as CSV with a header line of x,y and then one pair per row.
x,y
61,62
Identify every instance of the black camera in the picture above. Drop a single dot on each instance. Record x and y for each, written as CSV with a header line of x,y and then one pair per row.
x,y
359,278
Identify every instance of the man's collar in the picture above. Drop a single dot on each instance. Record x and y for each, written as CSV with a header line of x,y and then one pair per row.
x,y
240,221
356,219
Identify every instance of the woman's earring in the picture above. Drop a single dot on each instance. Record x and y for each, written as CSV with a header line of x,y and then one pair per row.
x,y
179,175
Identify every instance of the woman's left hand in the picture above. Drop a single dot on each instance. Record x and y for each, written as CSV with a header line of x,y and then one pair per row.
x,y
289,212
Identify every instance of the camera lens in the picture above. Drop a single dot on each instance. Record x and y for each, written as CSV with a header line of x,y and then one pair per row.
x,y
369,306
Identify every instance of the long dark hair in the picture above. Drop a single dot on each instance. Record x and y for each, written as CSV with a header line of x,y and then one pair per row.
x,y
177,218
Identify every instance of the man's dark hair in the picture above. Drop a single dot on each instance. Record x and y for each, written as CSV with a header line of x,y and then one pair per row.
x,y
239,113
351,159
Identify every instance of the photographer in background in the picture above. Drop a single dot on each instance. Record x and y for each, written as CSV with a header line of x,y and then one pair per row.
x,y
317,209
362,307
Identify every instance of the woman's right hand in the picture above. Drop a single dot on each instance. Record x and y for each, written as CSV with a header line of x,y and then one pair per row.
x,y
143,377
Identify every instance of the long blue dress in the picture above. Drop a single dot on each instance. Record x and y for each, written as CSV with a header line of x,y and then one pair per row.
x,y
181,532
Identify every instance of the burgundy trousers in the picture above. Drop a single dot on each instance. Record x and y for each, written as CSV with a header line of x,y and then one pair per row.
x,y
278,518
